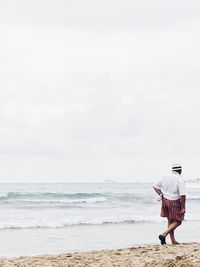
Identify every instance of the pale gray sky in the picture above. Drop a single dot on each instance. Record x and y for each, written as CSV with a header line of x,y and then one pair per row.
x,y
91,90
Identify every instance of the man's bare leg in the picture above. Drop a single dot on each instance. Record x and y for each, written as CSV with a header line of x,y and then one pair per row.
x,y
171,228
171,234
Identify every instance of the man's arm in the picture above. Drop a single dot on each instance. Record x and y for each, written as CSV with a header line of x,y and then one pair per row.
x,y
183,201
158,191
182,192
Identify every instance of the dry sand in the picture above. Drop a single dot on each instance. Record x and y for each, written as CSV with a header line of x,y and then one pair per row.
x,y
184,255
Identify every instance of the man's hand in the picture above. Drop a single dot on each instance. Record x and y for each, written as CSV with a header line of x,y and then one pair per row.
x,y
182,211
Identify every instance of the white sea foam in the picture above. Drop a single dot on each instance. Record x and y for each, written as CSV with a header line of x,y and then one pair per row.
x,y
64,222
65,201
3,194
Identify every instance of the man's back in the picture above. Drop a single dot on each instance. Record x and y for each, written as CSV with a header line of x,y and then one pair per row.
x,y
172,186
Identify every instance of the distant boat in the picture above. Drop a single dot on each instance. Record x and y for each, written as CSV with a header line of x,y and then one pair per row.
x,y
109,181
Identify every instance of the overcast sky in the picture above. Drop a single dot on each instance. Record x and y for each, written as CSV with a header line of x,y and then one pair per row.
x,y
93,90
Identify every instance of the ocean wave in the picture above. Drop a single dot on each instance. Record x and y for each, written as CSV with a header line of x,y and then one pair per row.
x,y
56,224
65,223
193,197
82,199
48,195
49,224
73,198
50,198
26,199
3,194
63,201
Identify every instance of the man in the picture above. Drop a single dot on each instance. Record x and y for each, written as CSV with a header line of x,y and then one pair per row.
x,y
172,190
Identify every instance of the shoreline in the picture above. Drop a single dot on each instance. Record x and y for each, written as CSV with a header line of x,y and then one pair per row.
x,y
183,255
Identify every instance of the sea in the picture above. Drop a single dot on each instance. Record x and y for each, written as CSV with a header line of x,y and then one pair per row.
x,y
51,218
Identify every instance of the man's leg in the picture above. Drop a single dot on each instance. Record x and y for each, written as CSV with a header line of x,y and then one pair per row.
x,y
171,234
171,228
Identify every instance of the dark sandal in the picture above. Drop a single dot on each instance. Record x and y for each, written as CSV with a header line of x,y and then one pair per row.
x,y
162,240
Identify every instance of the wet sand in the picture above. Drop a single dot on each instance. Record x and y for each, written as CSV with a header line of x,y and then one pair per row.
x,y
183,255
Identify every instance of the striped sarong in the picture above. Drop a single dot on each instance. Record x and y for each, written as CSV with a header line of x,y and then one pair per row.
x,y
171,209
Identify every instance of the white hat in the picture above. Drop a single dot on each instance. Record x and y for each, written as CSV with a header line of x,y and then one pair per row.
x,y
176,167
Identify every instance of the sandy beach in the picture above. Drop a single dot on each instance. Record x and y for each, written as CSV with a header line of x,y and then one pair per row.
x,y
183,255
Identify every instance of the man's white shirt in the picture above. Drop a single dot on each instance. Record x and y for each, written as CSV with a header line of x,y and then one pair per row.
x,y
172,186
